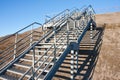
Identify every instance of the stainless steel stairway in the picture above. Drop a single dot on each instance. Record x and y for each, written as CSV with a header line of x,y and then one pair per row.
x,y
41,56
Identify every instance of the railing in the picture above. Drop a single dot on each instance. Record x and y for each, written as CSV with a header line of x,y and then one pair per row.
x,y
13,45
16,43
53,50
57,18
21,44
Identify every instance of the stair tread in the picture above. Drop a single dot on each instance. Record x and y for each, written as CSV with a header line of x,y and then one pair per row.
x,y
40,56
51,47
43,51
28,66
51,43
18,72
28,60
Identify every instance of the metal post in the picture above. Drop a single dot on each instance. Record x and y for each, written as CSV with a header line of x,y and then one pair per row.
x,y
76,61
31,36
67,32
78,23
74,24
33,64
74,56
67,12
91,36
54,44
43,33
15,46
72,65
91,31
83,23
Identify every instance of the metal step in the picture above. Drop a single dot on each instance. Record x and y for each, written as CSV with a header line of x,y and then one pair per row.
x,y
22,59
16,73
47,46
41,56
27,66
43,51
51,43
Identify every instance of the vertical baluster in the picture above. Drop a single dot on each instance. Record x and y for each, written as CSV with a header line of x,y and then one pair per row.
x,y
15,46
67,13
78,28
43,33
74,24
67,32
31,36
54,44
78,23
83,22
33,64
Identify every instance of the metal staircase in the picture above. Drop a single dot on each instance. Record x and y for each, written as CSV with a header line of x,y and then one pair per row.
x,y
39,53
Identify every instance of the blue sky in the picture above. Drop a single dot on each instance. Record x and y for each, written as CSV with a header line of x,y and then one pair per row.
x,y
16,14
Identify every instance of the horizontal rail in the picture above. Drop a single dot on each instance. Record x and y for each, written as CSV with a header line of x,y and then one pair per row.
x,y
56,16
19,31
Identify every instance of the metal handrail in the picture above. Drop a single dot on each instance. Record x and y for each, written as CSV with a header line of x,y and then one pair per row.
x,y
56,16
25,28
44,61
40,58
10,50
20,31
14,44
37,60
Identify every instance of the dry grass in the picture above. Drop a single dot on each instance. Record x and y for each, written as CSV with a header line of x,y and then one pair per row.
x,y
108,66
108,18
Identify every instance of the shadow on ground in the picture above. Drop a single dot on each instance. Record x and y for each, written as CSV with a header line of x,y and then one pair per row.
x,y
87,59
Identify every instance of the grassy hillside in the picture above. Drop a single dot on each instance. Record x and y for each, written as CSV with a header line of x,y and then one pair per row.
x,y
108,66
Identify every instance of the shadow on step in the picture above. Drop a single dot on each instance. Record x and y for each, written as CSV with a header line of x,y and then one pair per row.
x,y
86,69
87,58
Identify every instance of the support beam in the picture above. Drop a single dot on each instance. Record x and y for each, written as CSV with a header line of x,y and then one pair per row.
x,y
72,65
74,59
91,31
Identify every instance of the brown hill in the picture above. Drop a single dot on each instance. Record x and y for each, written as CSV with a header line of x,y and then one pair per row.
x,y
110,18
108,66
